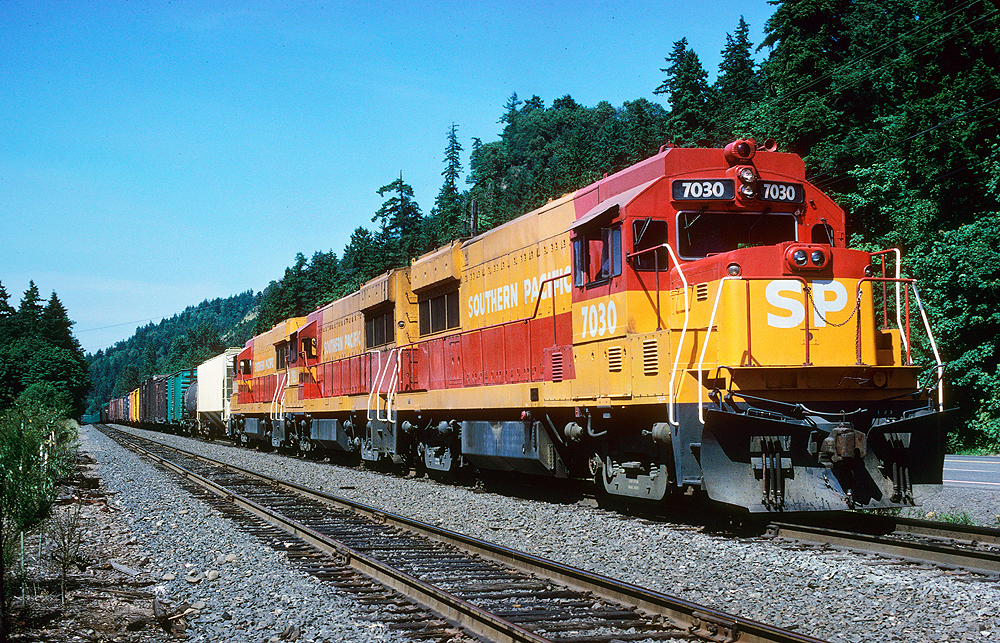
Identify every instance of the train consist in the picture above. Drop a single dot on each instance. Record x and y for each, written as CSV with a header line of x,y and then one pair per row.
x,y
192,402
692,324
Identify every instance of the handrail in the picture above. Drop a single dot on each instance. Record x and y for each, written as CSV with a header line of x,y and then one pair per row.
x,y
899,321
904,330
704,346
373,390
671,417
278,386
391,393
937,355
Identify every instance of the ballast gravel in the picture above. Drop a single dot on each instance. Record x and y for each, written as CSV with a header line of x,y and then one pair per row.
x,y
834,595
242,590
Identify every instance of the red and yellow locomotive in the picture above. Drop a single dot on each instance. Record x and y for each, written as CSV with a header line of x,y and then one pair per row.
x,y
694,322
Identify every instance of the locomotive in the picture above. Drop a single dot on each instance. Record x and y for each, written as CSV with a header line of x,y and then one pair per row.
x,y
693,324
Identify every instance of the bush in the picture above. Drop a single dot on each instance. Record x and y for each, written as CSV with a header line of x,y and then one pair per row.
x,y
37,449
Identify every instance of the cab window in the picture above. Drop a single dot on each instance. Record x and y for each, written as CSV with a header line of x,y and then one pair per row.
x,y
646,235
701,234
597,255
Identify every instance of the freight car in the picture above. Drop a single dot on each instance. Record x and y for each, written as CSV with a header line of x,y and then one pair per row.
x,y
211,394
692,324
157,403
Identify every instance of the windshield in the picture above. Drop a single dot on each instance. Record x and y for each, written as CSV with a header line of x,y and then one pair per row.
x,y
704,233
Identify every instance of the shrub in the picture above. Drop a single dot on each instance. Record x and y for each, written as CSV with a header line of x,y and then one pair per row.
x,y
37,449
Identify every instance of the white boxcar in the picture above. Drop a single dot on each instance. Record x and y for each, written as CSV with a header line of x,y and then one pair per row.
x,y
215,387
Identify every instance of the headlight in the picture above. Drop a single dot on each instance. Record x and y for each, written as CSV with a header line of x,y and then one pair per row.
x,y
734,270
818,258
747,191
746,175
800,258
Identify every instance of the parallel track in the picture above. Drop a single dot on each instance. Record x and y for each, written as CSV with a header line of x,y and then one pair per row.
x,y
974,549
491,592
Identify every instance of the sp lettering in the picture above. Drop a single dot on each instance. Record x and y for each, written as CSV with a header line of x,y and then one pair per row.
x,y
786,295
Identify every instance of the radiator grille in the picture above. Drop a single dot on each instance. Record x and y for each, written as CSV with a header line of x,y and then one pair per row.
x,y
615,359
650,357
557,367
701,292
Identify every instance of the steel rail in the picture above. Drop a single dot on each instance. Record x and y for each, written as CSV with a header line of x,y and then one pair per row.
x,y
970,533
980,561
476,620
691,618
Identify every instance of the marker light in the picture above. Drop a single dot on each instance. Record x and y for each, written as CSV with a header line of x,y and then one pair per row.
x,y
740,151
734,270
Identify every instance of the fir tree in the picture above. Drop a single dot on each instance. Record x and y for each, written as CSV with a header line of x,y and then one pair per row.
x,y
737,86
400,221
56,327
686,88
28,312
446,221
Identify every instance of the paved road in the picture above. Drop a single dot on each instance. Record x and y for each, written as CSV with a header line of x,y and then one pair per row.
x,y
972,471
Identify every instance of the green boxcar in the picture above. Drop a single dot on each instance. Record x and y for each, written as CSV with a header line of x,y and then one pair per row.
x,y
177,385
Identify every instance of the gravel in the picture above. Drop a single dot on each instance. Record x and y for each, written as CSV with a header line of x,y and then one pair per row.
x,y
249,591
833,595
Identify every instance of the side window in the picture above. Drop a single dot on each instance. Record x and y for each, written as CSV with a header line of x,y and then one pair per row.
x,y
378,328
597,255
648,234
309,347
281,355
439,313
822,233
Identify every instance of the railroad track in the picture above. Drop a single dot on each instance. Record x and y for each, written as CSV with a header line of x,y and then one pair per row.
x,y
969,548
449,580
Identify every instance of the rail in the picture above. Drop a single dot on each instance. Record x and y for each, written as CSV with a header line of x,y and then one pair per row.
x,y
671,404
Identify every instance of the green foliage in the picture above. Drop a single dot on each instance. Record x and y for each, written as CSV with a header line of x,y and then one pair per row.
x,y
957,518
686,88
37,449
38,353
959,272
179,342
401,223
447,218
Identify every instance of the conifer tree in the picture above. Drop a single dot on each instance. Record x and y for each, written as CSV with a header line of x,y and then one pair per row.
x,y
28,312
686,88
400,221
446,221
6,317
737,86
809,42
55,325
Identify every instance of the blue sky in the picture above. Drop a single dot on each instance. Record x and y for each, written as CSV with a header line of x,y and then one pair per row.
x,y
156,154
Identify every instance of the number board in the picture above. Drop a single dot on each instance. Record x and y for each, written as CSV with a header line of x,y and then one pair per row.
x,y
781,192
702,189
